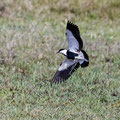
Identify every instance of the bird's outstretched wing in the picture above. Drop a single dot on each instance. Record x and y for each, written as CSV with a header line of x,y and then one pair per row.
x,y
73,37
65,70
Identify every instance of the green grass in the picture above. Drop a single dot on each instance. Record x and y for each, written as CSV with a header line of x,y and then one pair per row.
x,y
31,32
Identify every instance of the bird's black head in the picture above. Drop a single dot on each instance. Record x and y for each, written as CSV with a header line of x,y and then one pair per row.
x,y
63,51
60,50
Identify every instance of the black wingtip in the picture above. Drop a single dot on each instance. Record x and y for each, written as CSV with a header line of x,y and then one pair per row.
x,y
58,78
71,26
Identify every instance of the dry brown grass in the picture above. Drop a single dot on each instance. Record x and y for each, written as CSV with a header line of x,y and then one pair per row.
x,y
93,8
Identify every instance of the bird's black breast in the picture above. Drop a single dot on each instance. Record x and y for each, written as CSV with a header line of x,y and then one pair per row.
x,y
71,55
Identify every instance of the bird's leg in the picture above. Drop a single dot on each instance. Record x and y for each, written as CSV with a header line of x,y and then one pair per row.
x,y
76,61
73,67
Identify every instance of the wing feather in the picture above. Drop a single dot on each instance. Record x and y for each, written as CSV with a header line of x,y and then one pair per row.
x,y
63,74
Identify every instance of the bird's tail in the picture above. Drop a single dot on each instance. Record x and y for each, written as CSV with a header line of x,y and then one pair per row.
x,y
86,62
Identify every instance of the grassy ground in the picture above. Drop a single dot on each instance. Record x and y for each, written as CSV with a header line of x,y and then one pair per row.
x,y
30,34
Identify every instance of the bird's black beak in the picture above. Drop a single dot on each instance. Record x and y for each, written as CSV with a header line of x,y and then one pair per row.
x,y
57,52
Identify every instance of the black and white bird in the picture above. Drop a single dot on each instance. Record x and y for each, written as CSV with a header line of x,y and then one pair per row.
x,y
75,55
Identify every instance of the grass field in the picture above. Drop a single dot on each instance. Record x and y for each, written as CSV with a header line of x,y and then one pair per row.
x,y
31,32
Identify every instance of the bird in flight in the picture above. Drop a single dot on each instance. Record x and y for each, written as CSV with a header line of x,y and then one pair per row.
x,y
75,55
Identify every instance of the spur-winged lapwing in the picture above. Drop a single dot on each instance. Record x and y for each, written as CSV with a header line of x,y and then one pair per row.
x,y
75,55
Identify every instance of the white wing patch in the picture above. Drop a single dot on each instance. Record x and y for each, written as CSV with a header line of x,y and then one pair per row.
x,y
81,61
73,43
65,64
